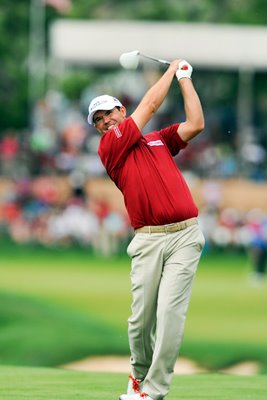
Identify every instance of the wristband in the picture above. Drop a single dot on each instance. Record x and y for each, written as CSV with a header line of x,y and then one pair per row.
x,y
184,70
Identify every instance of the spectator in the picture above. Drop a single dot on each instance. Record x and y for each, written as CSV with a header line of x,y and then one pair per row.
x,y
257,227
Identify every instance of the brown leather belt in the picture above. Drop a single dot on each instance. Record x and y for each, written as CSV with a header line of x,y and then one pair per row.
x,y
177,226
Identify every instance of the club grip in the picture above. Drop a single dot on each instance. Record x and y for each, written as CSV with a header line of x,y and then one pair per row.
x,y
164,62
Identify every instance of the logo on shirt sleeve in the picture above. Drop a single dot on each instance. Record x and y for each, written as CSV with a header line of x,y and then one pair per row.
x,y
155,143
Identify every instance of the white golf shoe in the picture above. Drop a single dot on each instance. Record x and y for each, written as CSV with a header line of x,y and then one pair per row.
x,y
134,385
137,396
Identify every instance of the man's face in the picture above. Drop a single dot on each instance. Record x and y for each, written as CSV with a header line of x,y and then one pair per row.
x,y
104,120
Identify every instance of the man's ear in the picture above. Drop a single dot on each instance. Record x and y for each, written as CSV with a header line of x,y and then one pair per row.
x,y
123,111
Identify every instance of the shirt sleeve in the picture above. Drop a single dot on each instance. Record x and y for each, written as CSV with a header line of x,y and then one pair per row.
x,y
172,139
115,144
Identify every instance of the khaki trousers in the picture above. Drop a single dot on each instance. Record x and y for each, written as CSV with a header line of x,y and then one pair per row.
x,y
163,269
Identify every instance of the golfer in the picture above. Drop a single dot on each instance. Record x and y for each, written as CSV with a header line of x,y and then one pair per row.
x,y
167,245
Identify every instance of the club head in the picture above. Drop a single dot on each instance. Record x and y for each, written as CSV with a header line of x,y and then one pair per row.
x,y
130,60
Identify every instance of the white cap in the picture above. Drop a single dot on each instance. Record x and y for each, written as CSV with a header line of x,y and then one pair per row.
x,y
104,102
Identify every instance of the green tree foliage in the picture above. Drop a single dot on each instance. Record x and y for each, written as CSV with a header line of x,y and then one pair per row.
x,y
73,84
13,55
224,11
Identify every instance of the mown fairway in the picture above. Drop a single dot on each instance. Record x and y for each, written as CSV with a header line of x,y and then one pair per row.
x,y
62,305
48,384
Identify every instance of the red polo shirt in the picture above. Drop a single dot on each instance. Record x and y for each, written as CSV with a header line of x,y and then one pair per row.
x,y
143,168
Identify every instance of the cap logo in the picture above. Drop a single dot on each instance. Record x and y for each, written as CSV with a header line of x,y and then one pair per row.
x,y
97,103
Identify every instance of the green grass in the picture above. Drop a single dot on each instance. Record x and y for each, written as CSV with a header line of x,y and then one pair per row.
x,y
71,303
71,277
36,332
51,384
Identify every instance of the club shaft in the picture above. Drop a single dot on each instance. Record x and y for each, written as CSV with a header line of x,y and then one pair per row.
x,y
156,59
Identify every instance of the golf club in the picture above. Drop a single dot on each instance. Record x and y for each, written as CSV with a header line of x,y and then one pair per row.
x,y
131,59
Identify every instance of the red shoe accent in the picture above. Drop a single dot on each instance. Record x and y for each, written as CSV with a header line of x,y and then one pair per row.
x,y
135,383
143,394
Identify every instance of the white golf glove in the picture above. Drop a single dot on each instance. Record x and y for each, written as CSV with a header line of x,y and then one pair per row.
x,y
184,70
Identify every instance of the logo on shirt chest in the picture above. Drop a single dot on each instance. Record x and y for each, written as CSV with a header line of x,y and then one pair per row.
x,y
117,132
155,143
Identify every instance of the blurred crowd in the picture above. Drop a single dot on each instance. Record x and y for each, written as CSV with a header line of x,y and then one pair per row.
x,y
51,212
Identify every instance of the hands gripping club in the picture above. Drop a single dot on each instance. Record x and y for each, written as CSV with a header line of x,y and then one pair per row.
x,y
184,71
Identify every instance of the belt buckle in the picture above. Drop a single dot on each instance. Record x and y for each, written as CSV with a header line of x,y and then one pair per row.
x,y
178,226
182,225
